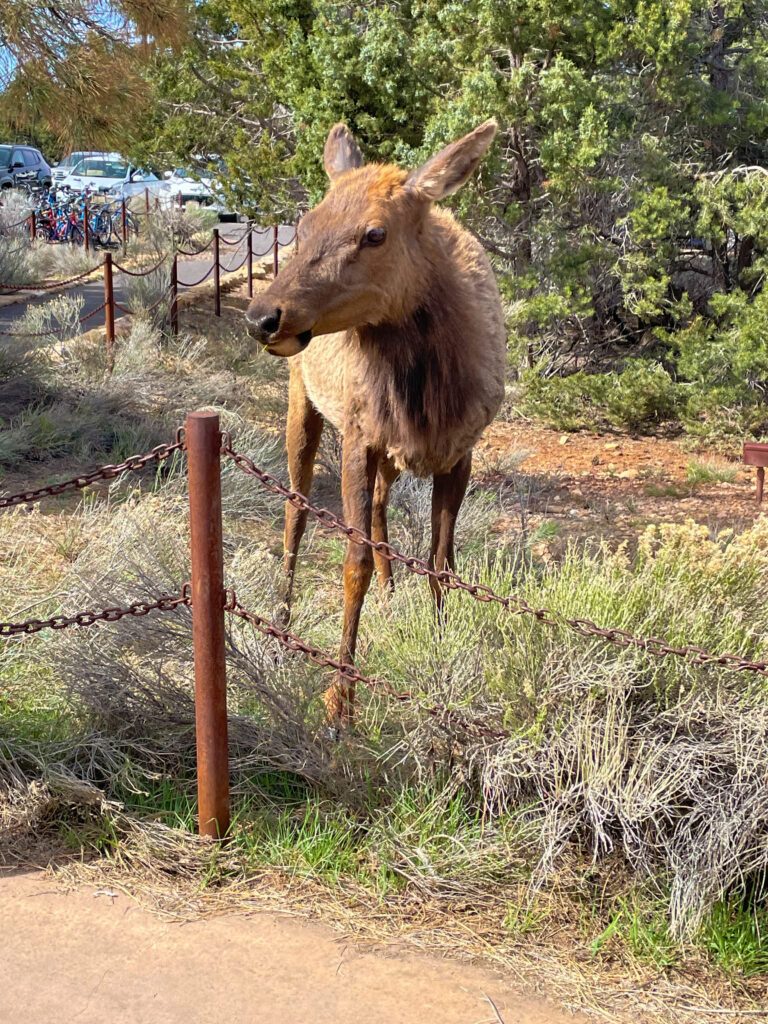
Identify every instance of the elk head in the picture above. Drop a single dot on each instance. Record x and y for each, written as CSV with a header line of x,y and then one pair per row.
x,y
361,256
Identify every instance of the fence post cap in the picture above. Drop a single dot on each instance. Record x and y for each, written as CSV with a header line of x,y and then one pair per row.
x,y
203,414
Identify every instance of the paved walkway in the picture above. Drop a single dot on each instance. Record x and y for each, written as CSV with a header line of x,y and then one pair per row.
x,y
90,958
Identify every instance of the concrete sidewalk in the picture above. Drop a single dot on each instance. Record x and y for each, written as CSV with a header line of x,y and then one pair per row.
x,y
93,958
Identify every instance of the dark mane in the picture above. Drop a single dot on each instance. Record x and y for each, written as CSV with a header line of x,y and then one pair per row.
x,y
415,374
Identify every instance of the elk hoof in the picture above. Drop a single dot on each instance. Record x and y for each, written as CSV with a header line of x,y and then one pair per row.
x,y
332,733
283,615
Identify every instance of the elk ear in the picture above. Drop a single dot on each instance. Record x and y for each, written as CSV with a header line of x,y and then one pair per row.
x,y
341,152
447,170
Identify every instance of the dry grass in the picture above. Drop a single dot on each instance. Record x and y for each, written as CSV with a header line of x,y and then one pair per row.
x,y
584,853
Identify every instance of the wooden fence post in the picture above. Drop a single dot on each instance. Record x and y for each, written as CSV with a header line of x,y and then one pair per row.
x,y
146,199
203,441
250,260
175,295
109,312
216,274
32,226
276,248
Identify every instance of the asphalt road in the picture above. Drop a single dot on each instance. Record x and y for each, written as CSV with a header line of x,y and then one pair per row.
x,y
190,270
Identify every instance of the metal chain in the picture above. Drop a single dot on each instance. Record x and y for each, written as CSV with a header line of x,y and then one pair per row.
x,y
16,224
133,462
166,603
516,605
442,714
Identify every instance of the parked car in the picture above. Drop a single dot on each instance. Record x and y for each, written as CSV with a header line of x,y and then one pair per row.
x,y
23,167
183,182
62,169
111,173
198,186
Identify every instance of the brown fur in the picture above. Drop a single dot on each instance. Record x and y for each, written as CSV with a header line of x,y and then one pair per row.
x,y
406,356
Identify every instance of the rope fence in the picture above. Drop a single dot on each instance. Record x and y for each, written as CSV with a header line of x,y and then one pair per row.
x,y
140,273
209,601
169,295
49,285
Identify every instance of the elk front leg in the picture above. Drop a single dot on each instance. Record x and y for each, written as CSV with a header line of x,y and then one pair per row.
x,y
385,477
358,476
447,495
302,436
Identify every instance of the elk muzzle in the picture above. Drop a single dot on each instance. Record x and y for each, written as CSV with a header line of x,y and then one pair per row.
x,y
267,325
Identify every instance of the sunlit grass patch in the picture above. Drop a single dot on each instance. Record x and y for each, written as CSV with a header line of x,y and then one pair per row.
x,y
710,471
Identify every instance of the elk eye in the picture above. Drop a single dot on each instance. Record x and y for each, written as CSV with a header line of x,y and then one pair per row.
x,y
374,236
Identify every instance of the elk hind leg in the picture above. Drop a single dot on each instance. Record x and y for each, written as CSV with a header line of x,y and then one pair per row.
x,y
386,475
448,492
303,431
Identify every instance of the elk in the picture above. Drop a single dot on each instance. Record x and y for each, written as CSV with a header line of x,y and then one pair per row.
x,y
392,320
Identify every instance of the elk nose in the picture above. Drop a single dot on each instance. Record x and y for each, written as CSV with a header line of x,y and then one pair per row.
x,y
264,324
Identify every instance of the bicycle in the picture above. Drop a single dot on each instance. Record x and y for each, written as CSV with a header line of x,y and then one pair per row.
x,y
131,224
101,226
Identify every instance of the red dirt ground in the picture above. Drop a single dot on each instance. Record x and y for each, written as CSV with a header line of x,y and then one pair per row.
x,y
613,485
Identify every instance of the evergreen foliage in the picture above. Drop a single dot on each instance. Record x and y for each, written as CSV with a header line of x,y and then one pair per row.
x,y
624,202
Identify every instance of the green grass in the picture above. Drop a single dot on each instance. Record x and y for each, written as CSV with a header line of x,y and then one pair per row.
x,y
638,922
669,490
615,759
736,936
709,472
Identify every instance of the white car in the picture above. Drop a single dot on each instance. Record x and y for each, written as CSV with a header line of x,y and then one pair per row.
x,y
199,187
182,182
62,169
113,174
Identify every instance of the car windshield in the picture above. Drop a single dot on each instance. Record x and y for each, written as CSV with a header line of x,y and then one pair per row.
x,y
100,168
5,156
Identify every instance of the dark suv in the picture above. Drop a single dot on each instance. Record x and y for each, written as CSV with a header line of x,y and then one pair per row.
x,y
22,166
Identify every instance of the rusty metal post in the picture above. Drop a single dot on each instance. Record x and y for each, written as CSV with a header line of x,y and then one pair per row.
x,y
250,261
175,295
276,248
216,274
32,226
146,199
86,234
203,441
760,483
123,226
109,312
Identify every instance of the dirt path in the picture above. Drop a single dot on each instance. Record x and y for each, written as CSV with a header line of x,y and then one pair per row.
x,y
90,957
